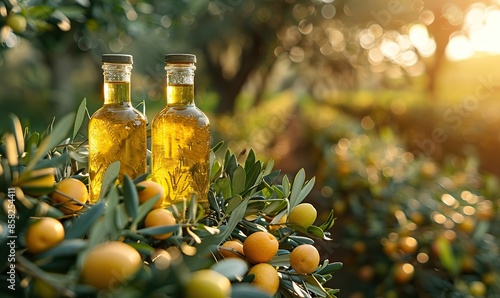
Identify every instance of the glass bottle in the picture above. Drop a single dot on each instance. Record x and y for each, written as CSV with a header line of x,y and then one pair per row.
x,y
117,131
180,137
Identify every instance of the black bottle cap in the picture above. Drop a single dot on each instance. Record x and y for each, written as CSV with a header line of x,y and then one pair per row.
x,y
117,58
180,58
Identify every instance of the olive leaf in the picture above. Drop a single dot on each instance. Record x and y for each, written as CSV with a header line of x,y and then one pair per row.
x,y
31,144
299,190
83,222
253,175
157,230
217,146
238,180
130,196
245,290
17,130
250,161
80,114
57,135
109,178
329,222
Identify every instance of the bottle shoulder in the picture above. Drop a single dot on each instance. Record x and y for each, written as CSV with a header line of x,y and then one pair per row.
x,y
182,112
118,112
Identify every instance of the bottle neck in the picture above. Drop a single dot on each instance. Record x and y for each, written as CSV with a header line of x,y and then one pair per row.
x,y
180,84
116,83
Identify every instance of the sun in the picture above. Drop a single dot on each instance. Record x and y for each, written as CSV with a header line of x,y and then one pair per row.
x,y
479,33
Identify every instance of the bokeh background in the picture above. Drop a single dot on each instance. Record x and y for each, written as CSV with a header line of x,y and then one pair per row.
x,y
392,105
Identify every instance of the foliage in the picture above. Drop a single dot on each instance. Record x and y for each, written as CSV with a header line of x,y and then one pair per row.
x,y
324,44
245,197
255,129
400,207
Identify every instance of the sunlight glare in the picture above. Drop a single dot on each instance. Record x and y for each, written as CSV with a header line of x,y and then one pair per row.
x,y
479,38
366,38
335,36
459,48
389,48
493,18
404,42
483,38
419,37
481,27
475,15
375,56
409,58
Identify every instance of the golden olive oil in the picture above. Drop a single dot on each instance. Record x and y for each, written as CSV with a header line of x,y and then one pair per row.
x,y
180,141
117,132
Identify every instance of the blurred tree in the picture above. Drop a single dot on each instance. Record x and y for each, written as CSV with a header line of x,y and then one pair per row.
x,y
63,32
236,38
344,43
366,38
237,41
44,25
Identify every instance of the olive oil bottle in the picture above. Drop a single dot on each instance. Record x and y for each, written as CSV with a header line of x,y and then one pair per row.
x,y
180,137
117,131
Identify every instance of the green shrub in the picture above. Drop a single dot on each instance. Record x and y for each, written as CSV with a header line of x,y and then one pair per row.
x,y
245,197
400,208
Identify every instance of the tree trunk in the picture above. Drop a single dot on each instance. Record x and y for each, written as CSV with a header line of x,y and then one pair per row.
x,y
228,89
441,31
61,96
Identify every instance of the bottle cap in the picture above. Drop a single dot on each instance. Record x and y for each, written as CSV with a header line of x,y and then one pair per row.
x,y
117,58
180,58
